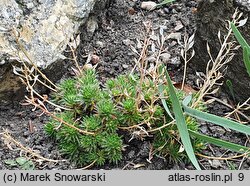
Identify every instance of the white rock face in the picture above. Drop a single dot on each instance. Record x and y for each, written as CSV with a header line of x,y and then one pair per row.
x,y
44,27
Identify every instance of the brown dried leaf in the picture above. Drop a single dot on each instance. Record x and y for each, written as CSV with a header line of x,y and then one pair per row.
x,y
186,88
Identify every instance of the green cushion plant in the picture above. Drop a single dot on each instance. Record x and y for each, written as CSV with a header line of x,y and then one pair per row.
x,y
125,103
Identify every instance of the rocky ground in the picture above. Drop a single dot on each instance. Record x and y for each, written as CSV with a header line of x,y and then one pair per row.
x,y
120,27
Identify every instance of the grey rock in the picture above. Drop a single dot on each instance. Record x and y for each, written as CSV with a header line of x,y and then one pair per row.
x,y
45,32
43,28
215,163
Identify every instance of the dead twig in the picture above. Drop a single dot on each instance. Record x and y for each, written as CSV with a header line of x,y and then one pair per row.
x,y
225,158
10,140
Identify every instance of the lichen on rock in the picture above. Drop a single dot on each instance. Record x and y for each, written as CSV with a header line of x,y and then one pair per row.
x,y
43,29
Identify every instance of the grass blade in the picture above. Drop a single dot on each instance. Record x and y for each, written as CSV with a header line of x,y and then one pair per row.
x,y
246,59
220,143
161,88
165,2
240,38
244,45
217,120
181,124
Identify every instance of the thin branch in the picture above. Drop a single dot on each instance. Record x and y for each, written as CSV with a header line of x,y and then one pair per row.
x,y
10,139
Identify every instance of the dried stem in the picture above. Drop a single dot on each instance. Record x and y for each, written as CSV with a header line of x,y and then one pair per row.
x,y
31,61
188,44
44,109
75,59
235,110
221,158
213,75
244,106
9,139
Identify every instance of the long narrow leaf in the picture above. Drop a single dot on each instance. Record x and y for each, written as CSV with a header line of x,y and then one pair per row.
x,y
246,59
217,120
239,37
161,88
220,143
181,124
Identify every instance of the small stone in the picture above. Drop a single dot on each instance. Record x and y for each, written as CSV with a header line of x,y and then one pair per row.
x,y
95,59
215,163
148,5
125,66
174,11
154,37
138,45
175,35
131,10
2,62
30,5
92,25
191,3
161,12
166,10
99,44
126,42
87,66
131,154
26,133
179,26
165,57
175,61
203,129
221,130
248,161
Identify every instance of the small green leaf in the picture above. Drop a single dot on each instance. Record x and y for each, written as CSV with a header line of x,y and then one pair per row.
x,y
10,162
164,2
21,160
231,165
246,59
230,87
161,88
187,100
181,124
28,165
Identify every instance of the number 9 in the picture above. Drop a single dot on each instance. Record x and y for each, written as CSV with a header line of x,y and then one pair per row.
x,y
241,176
